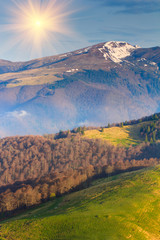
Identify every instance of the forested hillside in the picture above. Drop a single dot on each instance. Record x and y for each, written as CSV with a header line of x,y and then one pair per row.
x,y
34,169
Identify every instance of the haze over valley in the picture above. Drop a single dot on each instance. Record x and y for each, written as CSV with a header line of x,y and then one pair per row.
x,y
97,85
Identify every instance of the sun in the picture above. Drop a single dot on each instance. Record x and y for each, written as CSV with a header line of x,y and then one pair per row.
x,y
36,24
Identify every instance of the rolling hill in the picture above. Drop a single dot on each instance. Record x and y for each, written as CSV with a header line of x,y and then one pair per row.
x,y
97,85
35,168
121,207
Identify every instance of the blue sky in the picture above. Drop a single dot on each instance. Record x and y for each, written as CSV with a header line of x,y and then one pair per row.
x,y
91,22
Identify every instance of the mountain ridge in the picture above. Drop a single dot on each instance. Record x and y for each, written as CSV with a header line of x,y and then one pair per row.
x,y
79,88
75,52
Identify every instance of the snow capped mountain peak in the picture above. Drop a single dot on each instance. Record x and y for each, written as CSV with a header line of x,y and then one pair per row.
x,y
116,51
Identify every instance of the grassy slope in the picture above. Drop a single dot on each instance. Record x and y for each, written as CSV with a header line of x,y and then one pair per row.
x,y
31,77
126,136
120,207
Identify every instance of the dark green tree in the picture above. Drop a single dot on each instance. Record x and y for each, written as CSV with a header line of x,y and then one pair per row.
x,y
79,129
155,117
151,140
82,132
68,132
154,136
146,139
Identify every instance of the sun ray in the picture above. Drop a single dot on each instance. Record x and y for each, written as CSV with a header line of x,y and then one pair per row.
x,y
33,22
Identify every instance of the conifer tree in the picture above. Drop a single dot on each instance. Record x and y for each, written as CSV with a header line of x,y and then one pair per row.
x,y
154,136
155,117
146,139
82,132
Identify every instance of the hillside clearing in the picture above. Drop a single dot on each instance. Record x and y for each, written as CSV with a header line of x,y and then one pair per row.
x,y
126,136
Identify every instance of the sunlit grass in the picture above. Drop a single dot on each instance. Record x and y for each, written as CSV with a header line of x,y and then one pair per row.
x,y
125,136
120,207
31,77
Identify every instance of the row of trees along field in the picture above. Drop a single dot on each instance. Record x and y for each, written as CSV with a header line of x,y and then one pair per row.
x,y
34,169
150,128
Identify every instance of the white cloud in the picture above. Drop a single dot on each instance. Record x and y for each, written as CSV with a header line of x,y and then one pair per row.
x,y
17,114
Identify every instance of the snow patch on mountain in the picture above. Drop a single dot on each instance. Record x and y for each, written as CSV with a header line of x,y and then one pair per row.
x,y
146,61
142,59
84,50
153,63
72,70
116,51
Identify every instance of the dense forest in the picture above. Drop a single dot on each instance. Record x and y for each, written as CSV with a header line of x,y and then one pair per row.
x,y
34,169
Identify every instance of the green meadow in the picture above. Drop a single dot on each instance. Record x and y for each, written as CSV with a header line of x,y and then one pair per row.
x,y
126,206
124,136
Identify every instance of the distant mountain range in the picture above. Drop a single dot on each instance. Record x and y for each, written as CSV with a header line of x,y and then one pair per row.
x,y
97,85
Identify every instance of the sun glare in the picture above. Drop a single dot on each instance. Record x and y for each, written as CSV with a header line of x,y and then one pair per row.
x,y
36,23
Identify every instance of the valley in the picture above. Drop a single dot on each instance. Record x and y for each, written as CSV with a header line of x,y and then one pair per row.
x,y
92,86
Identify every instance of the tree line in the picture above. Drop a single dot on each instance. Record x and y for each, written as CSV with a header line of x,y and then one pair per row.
x,y
34,169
